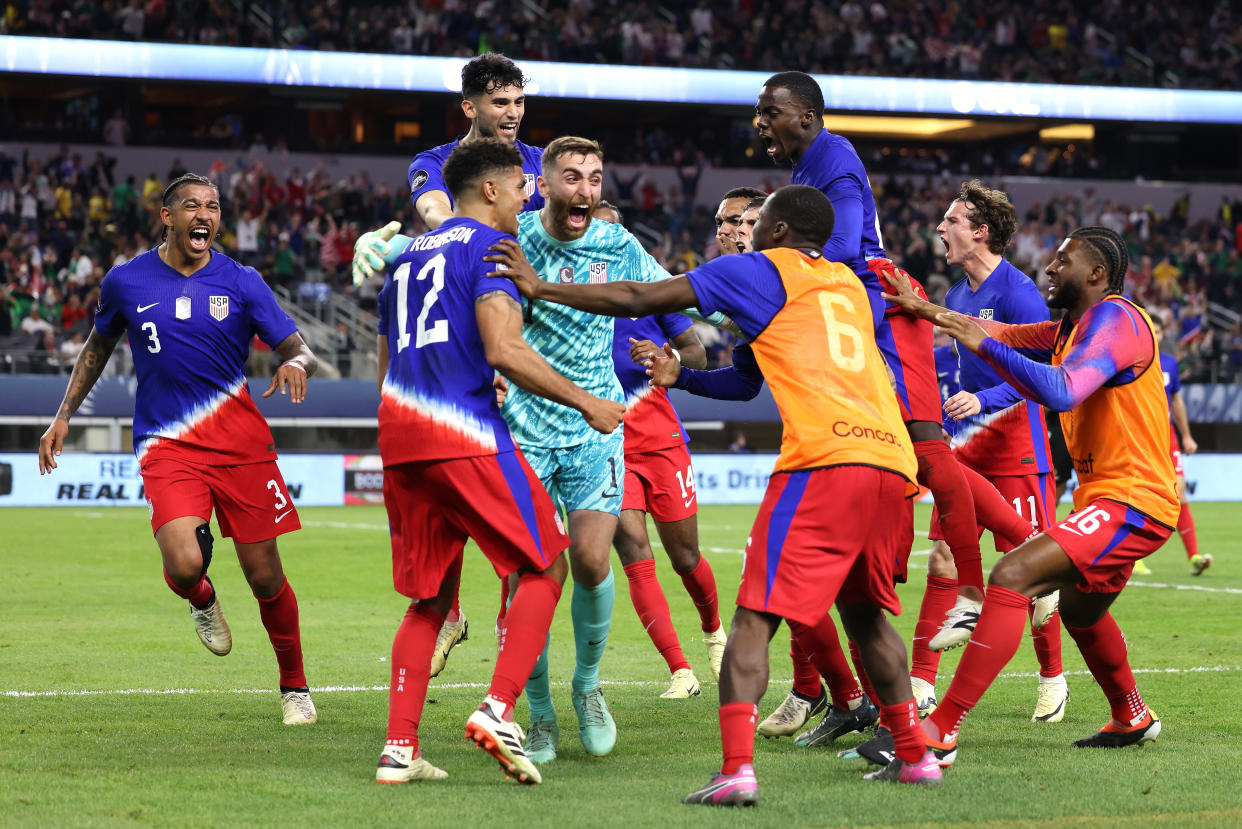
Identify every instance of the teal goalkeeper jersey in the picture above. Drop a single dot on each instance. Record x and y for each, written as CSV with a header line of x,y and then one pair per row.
x,y
575,343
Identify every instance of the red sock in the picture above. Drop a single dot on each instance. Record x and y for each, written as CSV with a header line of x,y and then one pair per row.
x,y
938,600
504,602
822,646
1103,648
411,671
523,635
805,677
653,612
863,679
1186,529
199,595
737,734
994,642
1047,641
940,472
902,720
994,513
701,585
280,618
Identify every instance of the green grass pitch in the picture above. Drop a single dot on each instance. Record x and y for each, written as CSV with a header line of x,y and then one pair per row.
x,y
112,713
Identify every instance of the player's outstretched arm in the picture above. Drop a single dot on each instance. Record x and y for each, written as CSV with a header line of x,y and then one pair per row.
x,y
375,250
740,381
86,370
434,208
500,327
686,345
298,364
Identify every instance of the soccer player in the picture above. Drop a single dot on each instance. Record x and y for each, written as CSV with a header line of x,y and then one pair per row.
x,y
659,479
746,226
1093,368
825,531
451,468
189,314
995,432
729,217
1180,441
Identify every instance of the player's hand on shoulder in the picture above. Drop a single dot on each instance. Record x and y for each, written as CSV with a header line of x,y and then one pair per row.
x,y
511,264
51,444
370,250
963,404
604,416
905,298
290,378
663,367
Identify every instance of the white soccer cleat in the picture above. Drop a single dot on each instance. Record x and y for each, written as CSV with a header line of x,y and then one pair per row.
x,y
451,635
503,740
211,627
959,624
1043,608
1050,704
793,713
297,708
398,765
716,641
683,686
924,695
1200,563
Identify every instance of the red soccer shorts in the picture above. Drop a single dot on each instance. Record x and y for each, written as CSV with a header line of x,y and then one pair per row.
x,y
825,535
434,506
251,501
1104,539
661,483
1033,496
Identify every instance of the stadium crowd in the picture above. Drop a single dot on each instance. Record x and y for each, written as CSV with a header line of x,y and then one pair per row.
x,y
1125,42
64,220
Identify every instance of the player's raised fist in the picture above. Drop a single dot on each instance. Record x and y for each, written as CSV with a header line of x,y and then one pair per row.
x,y
604,415
370,250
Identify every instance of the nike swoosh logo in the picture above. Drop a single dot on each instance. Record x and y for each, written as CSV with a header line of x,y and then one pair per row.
x,y
142,308
595,644
282,515
689,501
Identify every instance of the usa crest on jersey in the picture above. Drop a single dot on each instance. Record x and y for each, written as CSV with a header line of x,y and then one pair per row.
x,y
599,273
985,313
530,184
218,306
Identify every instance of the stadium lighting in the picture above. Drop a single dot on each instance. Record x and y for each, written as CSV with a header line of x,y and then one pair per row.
x,y
351,70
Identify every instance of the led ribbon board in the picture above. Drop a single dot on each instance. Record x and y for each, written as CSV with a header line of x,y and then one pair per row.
x,y
351,70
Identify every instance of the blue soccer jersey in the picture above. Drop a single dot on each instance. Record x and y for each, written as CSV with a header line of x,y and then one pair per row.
x,y
651,422
190,337
832,166
437,399
426,172
1172,378
575,343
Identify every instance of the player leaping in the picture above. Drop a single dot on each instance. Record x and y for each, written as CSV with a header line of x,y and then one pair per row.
x,y
1099,367
190,314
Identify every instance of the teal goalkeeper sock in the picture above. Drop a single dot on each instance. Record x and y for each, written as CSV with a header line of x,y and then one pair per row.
x,y
592,614
538,690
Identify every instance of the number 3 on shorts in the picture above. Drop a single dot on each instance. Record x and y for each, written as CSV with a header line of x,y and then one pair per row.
x,y
281,501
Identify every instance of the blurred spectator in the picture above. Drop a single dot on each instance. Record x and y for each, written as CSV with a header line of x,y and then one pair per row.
x,y
34,325
739,446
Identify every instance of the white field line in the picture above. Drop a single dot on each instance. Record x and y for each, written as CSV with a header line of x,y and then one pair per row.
x,y
349,689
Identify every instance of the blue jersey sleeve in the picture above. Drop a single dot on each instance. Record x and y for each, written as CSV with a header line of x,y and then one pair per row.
x,y
740,381
1168,364
267,318
846,194
744,286
109,313
673,325
425,174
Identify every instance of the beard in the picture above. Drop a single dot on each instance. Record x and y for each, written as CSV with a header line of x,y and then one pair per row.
x,y
1067,296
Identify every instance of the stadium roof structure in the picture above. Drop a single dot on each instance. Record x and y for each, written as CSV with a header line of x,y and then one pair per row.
x,y
350,70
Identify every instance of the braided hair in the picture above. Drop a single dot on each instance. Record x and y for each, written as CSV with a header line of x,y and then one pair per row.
x,y
1108,249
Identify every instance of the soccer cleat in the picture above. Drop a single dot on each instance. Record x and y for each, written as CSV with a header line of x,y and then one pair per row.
x,y
502,740
715,642
1200,563
958,624
595,724
1141,569
839,721
879,750
542,739
211,627
451,635
683,686
396,765
297,708
1110,736
1050,705
924,695
926,772
793,713
1043,608
737,789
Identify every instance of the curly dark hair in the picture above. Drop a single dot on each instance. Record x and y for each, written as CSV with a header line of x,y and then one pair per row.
x,y
470,162
487,73
985,206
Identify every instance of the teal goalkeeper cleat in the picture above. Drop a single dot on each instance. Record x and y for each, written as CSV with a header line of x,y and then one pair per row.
x,y
595,723
541,740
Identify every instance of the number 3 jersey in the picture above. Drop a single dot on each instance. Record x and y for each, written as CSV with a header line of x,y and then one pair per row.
x,y
437,399
190,337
